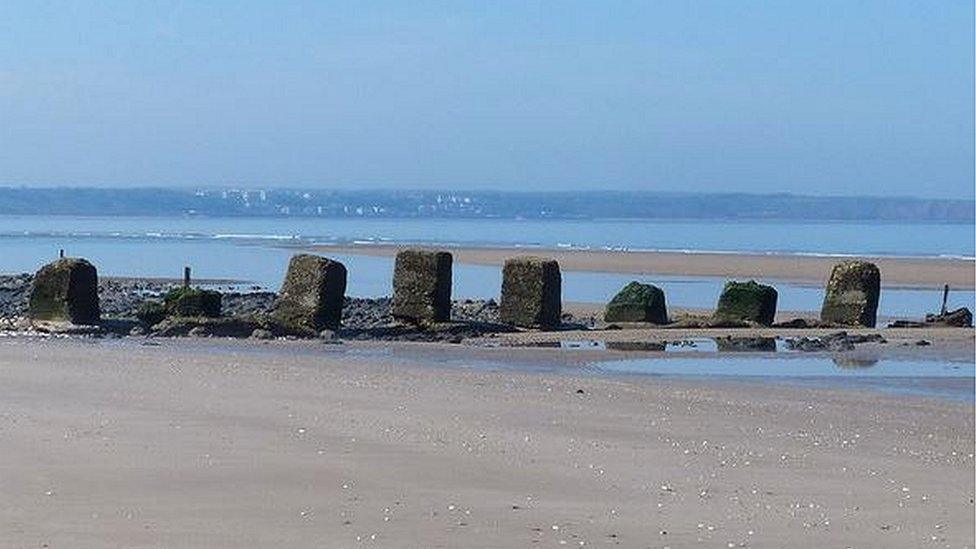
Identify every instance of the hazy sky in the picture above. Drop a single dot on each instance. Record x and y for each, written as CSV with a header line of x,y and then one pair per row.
x,y
821,97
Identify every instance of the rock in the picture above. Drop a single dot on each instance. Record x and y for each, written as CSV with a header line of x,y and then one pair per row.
x,y
747,301
422,286
531,292
66,290
852,294
327,335
261,333
959,318
311,296
198,331
151,312
745,344
137,331
192,302
637,302
839,341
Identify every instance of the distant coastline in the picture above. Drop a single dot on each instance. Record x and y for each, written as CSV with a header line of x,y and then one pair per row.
x,y
429,204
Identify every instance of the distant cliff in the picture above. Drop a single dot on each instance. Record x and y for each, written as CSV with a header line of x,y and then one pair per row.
x,y
475,204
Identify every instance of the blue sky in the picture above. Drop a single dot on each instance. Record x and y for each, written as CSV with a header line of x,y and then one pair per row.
x,y
825,97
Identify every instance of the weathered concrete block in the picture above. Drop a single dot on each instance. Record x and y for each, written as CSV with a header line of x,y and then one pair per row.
x,y
852,294
637,302
422,286
192,302
312,295
747,301
531,292
66,290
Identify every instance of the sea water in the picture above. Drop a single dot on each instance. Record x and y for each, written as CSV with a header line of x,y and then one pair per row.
x,y
251,249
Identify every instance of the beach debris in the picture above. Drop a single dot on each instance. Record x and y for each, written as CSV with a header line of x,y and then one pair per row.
x,y
66,290
531,292
958,318
261,333
311,296
422,286
838,342
637,302
730,344
747,301
187,301
852,294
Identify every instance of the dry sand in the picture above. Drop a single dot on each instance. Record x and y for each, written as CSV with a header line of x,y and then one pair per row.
x,y
896,272
200,444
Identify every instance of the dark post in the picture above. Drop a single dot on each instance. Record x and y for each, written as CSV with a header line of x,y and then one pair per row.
x,y
945,299
61,253
186,277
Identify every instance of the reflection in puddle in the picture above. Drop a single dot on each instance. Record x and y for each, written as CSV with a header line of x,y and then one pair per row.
x,y
695,345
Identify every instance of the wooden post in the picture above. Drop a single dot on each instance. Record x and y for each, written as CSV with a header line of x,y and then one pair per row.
x,y
186,277
945,299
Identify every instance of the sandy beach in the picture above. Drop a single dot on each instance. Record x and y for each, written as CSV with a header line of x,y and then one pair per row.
x,y
191,443
814,270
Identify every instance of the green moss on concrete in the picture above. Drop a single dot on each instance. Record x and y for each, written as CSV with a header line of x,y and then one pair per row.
x,y
531,292
747,301
637,302
65,290
192,302
852,294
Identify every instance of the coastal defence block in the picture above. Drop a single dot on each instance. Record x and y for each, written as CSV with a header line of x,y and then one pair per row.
x,y
637,302
747,301
311,295
192,302
852,294
65,290
531,292
422,286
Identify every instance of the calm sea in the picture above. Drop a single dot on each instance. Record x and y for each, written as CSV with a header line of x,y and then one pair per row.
x,y
245,249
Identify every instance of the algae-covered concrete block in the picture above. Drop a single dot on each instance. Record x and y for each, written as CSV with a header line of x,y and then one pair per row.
x,y
422,286
66,290
637,302
312,295
192,302
852,294
747,301
531,292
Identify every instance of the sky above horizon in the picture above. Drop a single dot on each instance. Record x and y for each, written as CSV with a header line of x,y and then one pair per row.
x,y
827,98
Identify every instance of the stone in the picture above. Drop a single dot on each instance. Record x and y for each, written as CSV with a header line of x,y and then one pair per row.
x,y
261,333
422,286
137,331
959,318
748,302
531,292
637,302
730,344
192,302
65,290
852,294
151,312
198,331
311,296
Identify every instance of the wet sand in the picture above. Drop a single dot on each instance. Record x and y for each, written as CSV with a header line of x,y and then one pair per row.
x,y
924,273
201,444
